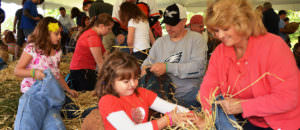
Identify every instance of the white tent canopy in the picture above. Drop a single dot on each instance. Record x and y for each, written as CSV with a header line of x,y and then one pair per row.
x,y
191,5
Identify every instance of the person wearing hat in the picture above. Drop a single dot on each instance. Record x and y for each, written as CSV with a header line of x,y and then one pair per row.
x,y
181,55
197,25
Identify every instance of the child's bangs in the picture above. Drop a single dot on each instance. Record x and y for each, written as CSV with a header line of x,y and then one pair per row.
x,y
128,72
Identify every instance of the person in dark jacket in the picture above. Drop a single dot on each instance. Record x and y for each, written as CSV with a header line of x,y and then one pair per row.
x,y
270,19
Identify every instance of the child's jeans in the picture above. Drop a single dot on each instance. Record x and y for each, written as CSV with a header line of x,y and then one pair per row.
x,y
39,108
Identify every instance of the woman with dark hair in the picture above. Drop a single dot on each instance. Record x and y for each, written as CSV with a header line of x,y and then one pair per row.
x,y
76,13
139,33
89,53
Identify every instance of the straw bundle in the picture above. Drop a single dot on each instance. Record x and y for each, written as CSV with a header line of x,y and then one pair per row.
x,y
84,101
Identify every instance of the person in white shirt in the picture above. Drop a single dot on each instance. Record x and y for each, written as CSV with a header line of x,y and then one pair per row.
x,y
120,30
139,33
65,20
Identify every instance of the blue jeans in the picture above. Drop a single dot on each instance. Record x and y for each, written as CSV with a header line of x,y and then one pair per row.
x,y
2,64
39,107
222,122
189,100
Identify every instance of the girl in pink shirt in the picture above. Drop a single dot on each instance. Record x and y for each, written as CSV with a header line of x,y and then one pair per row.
x,y
42,52
254,70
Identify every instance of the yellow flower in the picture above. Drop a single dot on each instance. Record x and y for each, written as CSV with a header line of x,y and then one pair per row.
x,y
53,27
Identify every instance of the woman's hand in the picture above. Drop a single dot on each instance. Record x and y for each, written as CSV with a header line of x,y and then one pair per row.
x,y
231,105
39,74
73,93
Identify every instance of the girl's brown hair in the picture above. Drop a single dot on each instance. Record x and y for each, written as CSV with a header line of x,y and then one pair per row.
x,y
118,65
9,37
102,18
236,13
129,10
41,36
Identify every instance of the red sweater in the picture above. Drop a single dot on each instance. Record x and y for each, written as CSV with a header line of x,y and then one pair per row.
x,y
268,103
109,104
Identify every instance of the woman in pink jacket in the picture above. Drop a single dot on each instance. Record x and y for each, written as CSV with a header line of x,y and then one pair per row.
x,y
254,70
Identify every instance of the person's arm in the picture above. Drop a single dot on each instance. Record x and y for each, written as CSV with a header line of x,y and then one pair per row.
x,y
130,38
97,54
210,81
66,87
26,13
121,121
151,58
163,106
152,39
15,23
21,70
284,84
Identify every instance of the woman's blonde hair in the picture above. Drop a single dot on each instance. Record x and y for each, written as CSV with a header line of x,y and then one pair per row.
x,y
236,13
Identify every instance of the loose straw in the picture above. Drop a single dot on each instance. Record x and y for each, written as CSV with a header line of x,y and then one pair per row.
x,y
261,77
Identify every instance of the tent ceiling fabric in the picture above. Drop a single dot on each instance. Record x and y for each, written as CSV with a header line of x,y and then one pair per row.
x,y
191,5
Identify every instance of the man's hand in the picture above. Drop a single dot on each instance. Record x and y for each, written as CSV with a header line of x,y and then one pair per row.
x,y
158,69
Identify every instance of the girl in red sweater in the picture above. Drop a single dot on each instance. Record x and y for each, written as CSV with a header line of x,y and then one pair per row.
x,y
123,105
